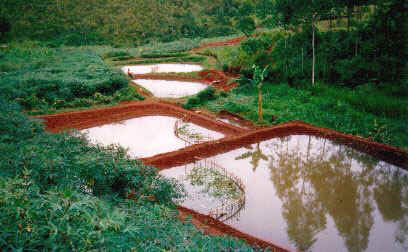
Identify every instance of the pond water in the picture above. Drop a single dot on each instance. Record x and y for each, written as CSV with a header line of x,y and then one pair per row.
x,y
162,68
145,136
310,194
171,89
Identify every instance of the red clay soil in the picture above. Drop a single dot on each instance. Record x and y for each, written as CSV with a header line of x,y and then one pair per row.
x,y
95,117
235,138
230,42
212,226
215,78
190,154
224,114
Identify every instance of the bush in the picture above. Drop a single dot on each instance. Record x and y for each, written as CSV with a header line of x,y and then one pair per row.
x,y
201,98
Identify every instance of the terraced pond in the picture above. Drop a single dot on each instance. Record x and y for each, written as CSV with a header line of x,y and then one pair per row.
x,y
170,89
161,68
311,194
145,136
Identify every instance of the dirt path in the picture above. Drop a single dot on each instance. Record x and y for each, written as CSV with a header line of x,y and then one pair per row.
x,y
230,42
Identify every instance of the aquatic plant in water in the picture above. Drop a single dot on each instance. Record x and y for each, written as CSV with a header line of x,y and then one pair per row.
x,y
214,183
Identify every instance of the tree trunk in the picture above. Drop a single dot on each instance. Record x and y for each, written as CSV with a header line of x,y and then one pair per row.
x,y
313,47
260,114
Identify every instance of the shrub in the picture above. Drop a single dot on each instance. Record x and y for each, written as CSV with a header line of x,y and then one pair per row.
x,y
201,98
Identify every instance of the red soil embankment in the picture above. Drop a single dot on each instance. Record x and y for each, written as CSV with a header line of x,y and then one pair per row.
x,y
230,42
212,226
95,117
190,154
215,78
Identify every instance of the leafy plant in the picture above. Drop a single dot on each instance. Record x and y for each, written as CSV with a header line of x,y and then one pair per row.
x,y
257,81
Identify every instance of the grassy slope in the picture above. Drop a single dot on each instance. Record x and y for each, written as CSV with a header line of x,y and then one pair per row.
x,y
366,111
44,80
57,192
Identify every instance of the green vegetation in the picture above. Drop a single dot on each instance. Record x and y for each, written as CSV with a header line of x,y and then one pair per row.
x,y
164,55
214,183
59,193
335,64
116,22
201,98
44,80
192,58
365,111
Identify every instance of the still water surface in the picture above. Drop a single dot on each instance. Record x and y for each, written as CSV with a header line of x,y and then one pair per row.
x,y
171,89
145,136
310,194
162,68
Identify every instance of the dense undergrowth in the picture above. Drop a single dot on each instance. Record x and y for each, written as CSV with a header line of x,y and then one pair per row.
x,y
59,193
44,80
365,111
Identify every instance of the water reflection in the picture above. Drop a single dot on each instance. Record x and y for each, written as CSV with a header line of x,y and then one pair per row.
x,y
310,194
255,156
335,181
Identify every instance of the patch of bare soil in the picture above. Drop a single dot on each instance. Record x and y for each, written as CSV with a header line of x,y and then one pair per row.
x,y
230,42
211,226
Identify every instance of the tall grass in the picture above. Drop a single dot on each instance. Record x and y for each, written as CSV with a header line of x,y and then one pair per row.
x,y
370,114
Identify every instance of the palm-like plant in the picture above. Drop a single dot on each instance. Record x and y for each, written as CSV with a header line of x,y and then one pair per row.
x,y
257,80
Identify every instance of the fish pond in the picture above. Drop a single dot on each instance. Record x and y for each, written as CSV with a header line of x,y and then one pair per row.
x,y
170,89
303,193
150,135
162,68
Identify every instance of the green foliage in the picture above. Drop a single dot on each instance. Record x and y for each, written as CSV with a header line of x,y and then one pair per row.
x,y
115,54
164,55
57,192
45,79
201,98
181,45
366,111
5,27
192,58
351,56
246,25
214,183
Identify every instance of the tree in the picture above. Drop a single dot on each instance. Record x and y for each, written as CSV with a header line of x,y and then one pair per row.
x,y
4,28
257,80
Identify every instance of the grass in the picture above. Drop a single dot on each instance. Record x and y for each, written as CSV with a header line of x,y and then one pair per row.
x,y
367,111
195,59
46,80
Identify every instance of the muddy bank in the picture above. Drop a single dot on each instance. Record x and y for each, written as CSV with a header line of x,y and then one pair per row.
x,y
212,226
95,117
190,154
161,68
215,78
230,42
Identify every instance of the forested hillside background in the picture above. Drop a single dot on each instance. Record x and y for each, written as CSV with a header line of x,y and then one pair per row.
x,y
116,21
338,64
